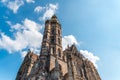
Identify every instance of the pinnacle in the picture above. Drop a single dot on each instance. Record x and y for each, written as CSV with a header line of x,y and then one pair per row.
x,y
54,16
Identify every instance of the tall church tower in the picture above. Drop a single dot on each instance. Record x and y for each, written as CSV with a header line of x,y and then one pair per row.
x,y
51,60
52,39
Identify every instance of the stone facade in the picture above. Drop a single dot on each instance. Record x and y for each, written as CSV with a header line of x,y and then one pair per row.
x,y
53,63
26,66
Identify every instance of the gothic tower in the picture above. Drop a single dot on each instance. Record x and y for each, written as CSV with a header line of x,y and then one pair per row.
x,y
51,60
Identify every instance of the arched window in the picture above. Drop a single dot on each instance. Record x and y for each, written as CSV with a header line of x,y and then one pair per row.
x,y
59,53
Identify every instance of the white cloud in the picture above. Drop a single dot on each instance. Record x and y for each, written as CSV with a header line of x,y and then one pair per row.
x,y
23,54
38,9
9,44
31,25
54,7
90,56
69,40
8,22
50,10
30,1
17,26
27,35
14,5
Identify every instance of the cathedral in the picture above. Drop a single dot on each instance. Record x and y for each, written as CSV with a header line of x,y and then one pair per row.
x,y
53,63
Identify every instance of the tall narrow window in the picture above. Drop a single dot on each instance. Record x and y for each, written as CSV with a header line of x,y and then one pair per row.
x,y
59,53
52,39
59,41
59,32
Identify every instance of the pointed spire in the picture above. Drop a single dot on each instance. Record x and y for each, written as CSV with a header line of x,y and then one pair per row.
x,y
54,17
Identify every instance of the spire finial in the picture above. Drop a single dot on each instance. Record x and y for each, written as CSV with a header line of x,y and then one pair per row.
x,y
54,16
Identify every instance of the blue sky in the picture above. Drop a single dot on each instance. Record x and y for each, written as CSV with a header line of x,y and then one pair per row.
x,y
93,25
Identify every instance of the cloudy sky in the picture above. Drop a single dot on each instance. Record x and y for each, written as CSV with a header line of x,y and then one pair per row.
x,y
93,25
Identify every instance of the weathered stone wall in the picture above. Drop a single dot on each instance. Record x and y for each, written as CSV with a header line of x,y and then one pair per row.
x,y
26,66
